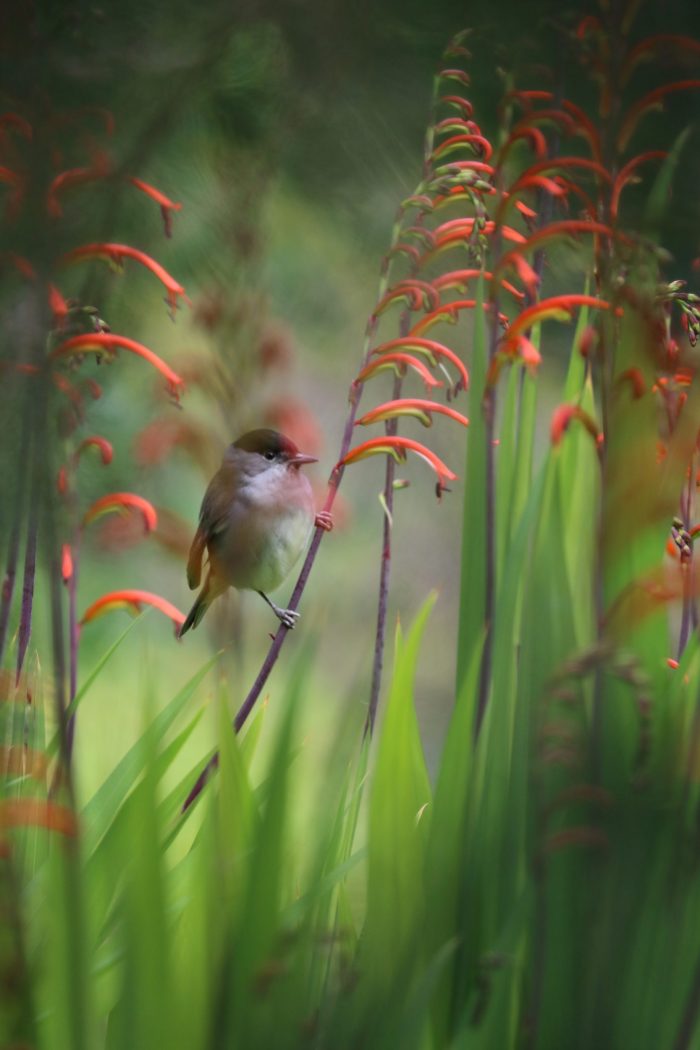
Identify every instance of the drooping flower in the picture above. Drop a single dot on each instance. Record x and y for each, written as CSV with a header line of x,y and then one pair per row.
x,y
398,363
420,408
167,207
115,254
430,349
122,502
397,446
133,601
561,418
101,342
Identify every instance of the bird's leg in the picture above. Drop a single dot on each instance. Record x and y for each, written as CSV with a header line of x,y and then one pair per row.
x,y
324,520
286,616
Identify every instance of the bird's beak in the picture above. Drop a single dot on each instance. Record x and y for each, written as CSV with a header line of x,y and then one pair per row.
x,y
301,458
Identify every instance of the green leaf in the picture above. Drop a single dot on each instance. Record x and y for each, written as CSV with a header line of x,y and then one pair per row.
x,y
397,822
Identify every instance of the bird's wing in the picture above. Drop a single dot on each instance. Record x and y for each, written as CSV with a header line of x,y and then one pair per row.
x,y
212,519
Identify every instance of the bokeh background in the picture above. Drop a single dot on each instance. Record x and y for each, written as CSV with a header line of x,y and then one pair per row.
x,y
289,132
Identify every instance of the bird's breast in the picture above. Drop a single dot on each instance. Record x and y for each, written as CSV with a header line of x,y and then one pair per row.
x,y
268,527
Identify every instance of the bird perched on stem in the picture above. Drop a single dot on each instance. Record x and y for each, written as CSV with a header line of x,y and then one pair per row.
x,y
256,518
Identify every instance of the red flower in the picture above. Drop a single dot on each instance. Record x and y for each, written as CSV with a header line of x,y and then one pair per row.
x,y
122,502
115,254
133,601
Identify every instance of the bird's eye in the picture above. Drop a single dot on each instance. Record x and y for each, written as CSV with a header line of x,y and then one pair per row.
x,y
269,455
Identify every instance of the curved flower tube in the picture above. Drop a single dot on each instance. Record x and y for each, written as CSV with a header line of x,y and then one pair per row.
x,y
398,362
561,418
397,447
415,294
652,100
114,254
167,207
449,313
627,173
428,347
420,408
74,177
99,342
557,308
122,502
459,279
457,102
96,441
133,601
455,142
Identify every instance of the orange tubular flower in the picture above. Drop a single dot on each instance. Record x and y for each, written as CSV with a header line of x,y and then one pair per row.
x,y
410,406
99,342
457,102
95,441
133,602
114,254
557,308
459,279
430,348
74,177
455,142
66,563
449,313
398,447
416,295
57,305
627,173
652,101
167,207
398,362
122,502
561,418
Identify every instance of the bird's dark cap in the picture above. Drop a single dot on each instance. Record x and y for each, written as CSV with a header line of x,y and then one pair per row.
x,y
265,440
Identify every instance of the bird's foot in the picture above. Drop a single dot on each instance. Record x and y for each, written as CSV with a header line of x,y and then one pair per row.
x,y
287,617
324,520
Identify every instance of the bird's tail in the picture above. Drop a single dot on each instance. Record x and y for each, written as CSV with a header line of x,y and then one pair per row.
x,y
204,600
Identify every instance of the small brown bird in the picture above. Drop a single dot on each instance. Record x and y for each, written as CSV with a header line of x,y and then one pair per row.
x,y
256,518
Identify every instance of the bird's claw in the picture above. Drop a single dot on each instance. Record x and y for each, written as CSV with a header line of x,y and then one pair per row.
x,y
324,520
287,617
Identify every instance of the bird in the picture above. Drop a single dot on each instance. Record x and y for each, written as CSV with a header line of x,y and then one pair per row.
x,y
256,518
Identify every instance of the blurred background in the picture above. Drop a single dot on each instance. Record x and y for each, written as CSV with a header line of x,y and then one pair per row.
x,y
289,132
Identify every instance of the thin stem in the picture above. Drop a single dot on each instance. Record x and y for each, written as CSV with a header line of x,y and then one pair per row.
x,y
689,1020
488,407
8,585
384,574
687,565
73,633
25,622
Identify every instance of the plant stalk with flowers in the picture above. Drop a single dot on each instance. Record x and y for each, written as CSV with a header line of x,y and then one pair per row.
x,y
541,888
